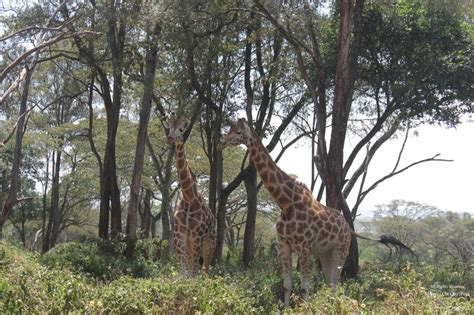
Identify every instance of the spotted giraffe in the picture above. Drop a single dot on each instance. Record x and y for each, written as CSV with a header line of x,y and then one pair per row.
x,y
194,233
304,226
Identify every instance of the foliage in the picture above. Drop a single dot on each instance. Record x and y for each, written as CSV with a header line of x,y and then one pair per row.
x,y
441,239
100,259
28,286
417,57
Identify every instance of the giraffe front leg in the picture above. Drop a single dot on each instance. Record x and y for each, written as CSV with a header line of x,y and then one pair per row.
x,y
178,245
194,252
209,246
304,267
285,256
332,266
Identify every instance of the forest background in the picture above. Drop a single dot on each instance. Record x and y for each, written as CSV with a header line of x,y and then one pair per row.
x,y
86,171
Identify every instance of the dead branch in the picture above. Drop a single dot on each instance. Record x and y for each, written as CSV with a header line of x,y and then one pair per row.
x,y
12,132
363,167
394,172
13,87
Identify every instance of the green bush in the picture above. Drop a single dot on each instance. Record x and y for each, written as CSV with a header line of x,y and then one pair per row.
x,y
57,283
28,287
102,260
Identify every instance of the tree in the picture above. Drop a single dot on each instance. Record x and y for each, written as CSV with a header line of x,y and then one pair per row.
x,y
153,31
328,68
61,106
399,88
115,18
27,211
329,158
263,75
442,239
398,218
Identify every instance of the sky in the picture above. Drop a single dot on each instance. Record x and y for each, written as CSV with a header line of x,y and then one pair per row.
x,y
445,185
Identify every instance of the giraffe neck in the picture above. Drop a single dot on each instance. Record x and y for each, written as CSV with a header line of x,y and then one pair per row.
x,y
187,180
273,178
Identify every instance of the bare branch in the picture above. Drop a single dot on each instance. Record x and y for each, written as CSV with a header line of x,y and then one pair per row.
x,y
47,43
393,173
401,150
362,169
12,132
13,86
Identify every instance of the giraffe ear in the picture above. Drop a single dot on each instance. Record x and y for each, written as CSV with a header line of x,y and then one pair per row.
x,y
241,122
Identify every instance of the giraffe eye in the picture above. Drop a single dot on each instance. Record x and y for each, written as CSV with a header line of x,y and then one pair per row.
x,y
239,132
181,129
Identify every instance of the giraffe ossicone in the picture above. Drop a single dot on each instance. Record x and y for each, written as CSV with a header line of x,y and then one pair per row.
x,y
194,233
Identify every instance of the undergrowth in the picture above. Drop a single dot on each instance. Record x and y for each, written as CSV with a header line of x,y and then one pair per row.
x,y
94,278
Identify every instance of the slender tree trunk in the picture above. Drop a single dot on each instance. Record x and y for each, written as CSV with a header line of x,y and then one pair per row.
x,y
104,211
52,227
250,182
109,177
45,196
215,157
166,202
12,197
54,214
221,224
149,79
146,218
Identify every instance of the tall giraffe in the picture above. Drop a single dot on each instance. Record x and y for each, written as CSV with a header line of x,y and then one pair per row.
x,y
194,234
304,226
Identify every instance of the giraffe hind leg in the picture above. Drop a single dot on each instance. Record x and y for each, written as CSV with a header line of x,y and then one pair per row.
x,y
304,260
285,256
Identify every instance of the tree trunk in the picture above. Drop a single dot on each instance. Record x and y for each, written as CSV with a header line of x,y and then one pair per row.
x,y
221,224
12,197
149,79
213,131
146,217
52,229
109,176
166,202
215,185
250,182
344,88
45,196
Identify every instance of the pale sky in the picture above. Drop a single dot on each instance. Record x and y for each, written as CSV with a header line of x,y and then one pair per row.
x,y
446,185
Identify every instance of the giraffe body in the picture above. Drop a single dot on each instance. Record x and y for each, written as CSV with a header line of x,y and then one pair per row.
x,y
304,226
194,234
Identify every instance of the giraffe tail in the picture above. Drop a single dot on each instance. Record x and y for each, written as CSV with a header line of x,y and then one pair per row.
x,y
389,241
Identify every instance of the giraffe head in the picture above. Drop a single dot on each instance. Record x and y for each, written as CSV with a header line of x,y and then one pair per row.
x,y
239,133
176,128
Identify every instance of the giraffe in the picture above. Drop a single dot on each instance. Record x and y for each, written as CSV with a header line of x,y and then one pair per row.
x,y
194,235
304,226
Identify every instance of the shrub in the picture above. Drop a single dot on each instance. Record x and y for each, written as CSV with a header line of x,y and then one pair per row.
x,y
102,260
27,286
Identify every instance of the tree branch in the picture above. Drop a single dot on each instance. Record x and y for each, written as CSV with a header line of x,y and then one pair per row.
x,y
393,173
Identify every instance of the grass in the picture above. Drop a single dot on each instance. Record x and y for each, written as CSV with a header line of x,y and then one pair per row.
x,y
66,281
